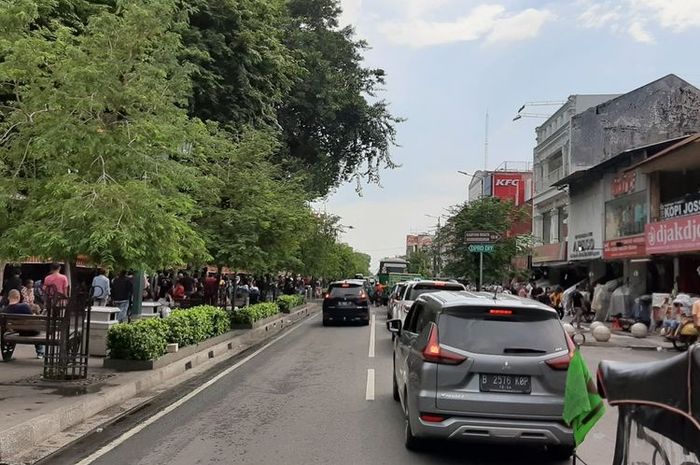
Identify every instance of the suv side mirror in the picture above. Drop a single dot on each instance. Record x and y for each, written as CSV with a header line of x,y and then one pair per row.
x,y
394,326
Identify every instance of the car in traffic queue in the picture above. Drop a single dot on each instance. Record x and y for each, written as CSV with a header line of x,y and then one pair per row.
x,y
346,302
394,297
493,370
414,289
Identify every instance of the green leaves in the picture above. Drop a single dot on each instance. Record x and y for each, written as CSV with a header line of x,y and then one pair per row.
x,y
158,133
487,214
147,339
142,340
287,302
253,313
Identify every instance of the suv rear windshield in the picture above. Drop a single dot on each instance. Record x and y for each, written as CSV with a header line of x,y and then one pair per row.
x,y
345,290
524,332
420,289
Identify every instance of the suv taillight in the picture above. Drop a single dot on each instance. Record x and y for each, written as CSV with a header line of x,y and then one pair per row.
x,y
562,363
436,354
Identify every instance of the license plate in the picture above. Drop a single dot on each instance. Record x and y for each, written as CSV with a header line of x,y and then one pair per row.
x,y
344,304
505,383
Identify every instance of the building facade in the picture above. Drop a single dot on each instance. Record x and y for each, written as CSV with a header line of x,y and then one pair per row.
x,y
553,161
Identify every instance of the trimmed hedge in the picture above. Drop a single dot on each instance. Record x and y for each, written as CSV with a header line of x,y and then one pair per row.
x,y
142,340
253,313
287,302
147,339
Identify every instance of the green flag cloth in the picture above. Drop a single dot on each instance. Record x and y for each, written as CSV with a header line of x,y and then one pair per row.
x,y
583,407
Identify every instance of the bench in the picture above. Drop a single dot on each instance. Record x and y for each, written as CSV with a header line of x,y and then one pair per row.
x,y
12,324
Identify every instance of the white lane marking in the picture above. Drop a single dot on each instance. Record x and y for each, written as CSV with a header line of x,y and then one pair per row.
x,y
124,437
372,333
369,394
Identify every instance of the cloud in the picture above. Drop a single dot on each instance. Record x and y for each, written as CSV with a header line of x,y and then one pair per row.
x,y
631,16
484,21
638,33
351,12
676,15
524,25
599,15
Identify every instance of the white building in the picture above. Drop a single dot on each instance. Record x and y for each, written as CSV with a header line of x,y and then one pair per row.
x,y
552,162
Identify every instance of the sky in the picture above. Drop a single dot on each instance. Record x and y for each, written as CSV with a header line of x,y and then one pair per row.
x,y
449,62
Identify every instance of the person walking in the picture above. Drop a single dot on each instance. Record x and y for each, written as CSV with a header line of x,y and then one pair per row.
x,y
557,298
122,290
56,282
100,288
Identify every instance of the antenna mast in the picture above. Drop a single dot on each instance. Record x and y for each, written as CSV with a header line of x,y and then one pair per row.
x,y
486,143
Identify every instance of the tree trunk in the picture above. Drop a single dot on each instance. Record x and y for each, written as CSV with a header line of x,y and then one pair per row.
x,y
3,263
71,273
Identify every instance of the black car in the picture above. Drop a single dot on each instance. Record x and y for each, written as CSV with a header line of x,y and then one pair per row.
x,y
346,302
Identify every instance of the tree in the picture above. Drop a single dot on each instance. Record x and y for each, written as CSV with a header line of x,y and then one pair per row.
x,y
256,217
420,262
330,127
95,153
486,214
243,70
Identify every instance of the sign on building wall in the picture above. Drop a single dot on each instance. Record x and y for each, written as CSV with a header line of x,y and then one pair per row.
x,y
674,235
509,186
688,205
584,247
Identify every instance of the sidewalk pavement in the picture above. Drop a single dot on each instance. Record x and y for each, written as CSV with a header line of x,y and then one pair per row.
x,y
625,340
33,411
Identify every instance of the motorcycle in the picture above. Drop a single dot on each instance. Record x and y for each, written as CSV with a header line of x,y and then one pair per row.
x,y
684,336
659,409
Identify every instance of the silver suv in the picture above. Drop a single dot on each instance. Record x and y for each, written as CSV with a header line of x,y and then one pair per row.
x,y
472,368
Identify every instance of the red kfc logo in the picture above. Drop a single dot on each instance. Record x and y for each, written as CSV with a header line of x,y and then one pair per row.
x,y
507,182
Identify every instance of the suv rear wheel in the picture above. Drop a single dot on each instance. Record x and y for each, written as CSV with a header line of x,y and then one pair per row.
x,y
411,442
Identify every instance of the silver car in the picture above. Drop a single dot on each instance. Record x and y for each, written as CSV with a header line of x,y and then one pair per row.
x,y
482,369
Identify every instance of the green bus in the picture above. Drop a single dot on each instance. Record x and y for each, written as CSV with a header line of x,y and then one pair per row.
x,y
392,271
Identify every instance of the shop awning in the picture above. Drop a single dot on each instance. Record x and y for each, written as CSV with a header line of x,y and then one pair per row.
x,y
684,155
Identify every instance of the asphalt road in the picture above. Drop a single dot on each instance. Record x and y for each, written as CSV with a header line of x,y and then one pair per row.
x,y
306,400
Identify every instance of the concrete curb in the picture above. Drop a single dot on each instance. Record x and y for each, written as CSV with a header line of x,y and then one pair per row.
x,y
31,433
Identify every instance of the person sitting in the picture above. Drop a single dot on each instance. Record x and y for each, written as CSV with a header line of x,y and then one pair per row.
x,y
22,308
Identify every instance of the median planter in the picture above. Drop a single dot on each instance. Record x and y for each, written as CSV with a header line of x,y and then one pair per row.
x,y
256,324
167,359
193,355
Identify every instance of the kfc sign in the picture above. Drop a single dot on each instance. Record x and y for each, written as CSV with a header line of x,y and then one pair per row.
x,y
509,186
508,182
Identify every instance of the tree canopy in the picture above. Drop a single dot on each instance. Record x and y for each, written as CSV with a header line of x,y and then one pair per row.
x,y
155,133
486,214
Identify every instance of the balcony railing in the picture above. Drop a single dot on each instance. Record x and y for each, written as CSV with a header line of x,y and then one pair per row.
x,y
545,182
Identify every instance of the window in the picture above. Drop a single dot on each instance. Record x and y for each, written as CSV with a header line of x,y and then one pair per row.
x,y
554,165
547,227
626,216
424,318
412,316
345,290
525,332
562,229
420,289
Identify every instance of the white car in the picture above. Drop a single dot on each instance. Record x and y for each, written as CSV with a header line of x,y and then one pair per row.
x,y
396,293
416,288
